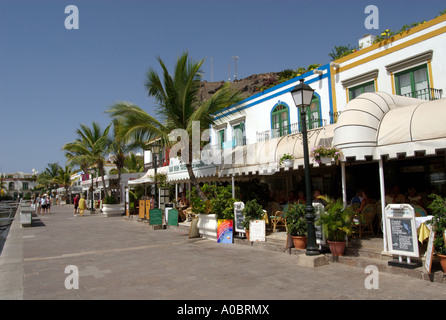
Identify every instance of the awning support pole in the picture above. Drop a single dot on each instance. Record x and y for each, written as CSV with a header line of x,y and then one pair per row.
x,y
344,191
233,186
383,201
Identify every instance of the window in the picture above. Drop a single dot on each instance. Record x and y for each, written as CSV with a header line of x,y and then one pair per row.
x,y
11,186
25,185
314,113
314,119
413,82
279,120
221,138
356,91
238,134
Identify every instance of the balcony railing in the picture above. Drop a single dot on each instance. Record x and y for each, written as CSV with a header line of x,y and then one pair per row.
x,y
425,94
294,128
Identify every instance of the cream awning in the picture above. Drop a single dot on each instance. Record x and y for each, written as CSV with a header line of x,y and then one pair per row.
x,y
148,176
202,171
379,124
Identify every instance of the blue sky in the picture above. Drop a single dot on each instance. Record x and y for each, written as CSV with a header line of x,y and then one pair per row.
x,y
53,79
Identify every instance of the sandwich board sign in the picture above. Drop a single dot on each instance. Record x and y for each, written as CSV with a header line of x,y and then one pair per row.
x,y
238,216
224,231
155,217
430,251
401,230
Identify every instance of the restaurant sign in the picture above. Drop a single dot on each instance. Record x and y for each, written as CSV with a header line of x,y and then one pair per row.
x,y
401,230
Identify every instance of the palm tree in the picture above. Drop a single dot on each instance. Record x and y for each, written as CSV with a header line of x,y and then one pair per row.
x,y
45,178
133,164
179,107
90,148
119,147
63,178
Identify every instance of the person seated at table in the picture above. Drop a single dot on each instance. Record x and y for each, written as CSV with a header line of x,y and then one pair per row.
x,y
184,204
395,196
291,197
317,197
358,197
301,197
280,198
413,197
365,201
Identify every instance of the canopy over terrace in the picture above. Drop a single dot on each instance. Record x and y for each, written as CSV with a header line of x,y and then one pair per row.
x,y
263,157
177,172
377,125
148,176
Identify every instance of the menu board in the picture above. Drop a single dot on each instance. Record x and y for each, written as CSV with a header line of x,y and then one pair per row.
x,y
401,235
172,215
257,230
238,216
401,230
155,217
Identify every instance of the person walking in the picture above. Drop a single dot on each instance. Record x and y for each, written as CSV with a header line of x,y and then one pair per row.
x,y
38,204
48,204
43,204
81,206
76,204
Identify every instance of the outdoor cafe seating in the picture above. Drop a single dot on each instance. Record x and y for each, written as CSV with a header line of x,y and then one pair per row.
x,y
277,215
363,222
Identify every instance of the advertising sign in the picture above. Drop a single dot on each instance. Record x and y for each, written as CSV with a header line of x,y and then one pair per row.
x,y
224,231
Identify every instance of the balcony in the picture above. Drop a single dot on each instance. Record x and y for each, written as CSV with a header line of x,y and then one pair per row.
x,y
294,128
425,94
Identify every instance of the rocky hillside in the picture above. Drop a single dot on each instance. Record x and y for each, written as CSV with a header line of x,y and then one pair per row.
x,y
247,86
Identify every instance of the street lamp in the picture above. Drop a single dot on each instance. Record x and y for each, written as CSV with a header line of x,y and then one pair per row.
x,y
155,148
302,95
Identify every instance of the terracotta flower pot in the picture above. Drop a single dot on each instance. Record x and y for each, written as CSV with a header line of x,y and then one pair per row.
x,y
337,248
442,262
300,242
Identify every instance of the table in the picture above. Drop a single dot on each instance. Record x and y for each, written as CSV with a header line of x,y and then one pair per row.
x,y
423,228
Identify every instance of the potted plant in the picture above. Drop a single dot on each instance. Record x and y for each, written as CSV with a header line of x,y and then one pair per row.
x,y
287,160
110,207
321,154
252,211
207,220
336,224
297,225
438,207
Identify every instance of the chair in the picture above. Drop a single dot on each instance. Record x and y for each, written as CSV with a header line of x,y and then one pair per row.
x,y
278,220
271,210
419,211
363,221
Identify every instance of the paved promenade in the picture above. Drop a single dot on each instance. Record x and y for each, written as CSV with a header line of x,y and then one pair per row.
x,y
124,259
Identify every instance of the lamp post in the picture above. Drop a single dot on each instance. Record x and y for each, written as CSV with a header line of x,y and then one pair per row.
x,y
155,150
302,95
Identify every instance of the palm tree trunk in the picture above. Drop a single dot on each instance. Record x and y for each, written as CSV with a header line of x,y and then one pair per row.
x,y
101,171
119,185
194,182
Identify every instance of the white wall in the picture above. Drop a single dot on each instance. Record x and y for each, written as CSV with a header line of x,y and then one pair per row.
x,y
395,51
